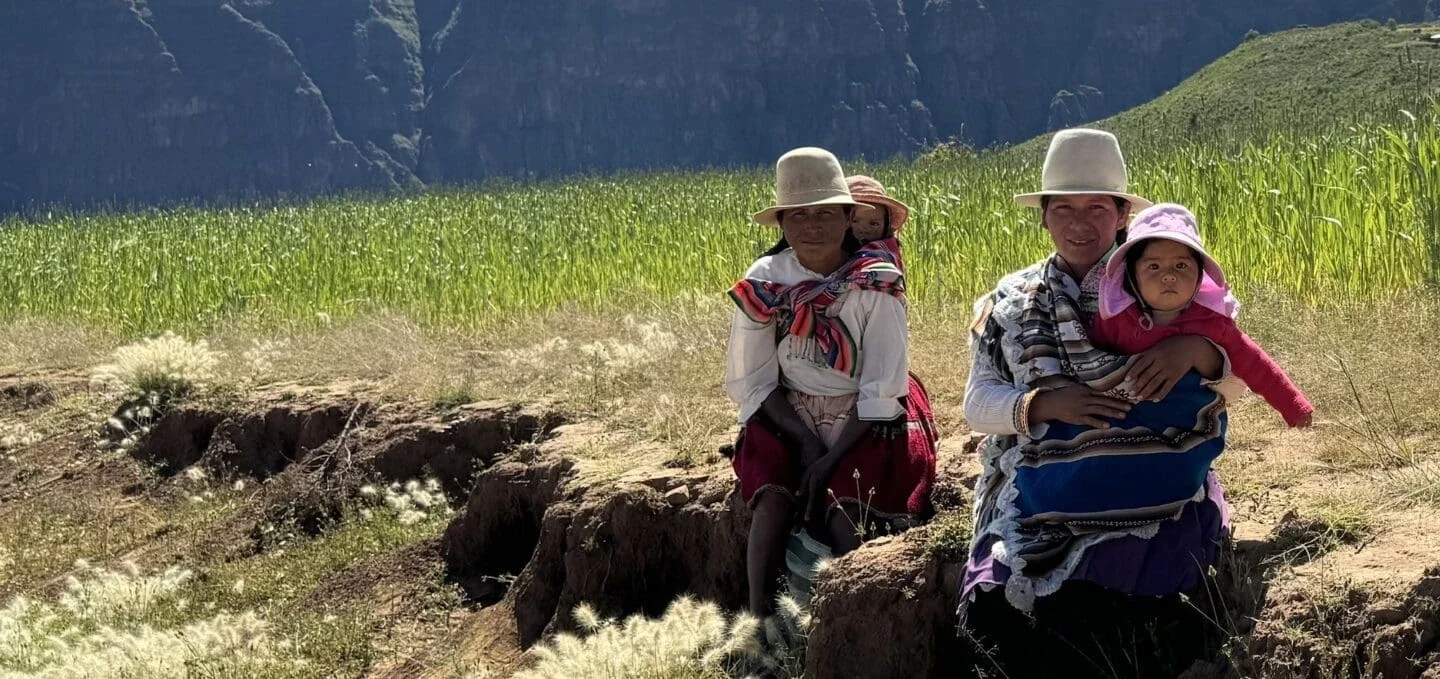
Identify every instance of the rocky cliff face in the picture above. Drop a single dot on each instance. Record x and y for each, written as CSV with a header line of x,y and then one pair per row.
x,y
569,86
129,101
137,101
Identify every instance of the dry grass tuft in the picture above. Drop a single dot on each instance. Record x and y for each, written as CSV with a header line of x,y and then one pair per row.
x,y
38,345
692,640
167,367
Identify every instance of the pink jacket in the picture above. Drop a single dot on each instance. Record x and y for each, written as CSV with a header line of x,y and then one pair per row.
x,y
1124,334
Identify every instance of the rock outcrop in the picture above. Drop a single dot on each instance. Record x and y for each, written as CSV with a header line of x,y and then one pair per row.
x,y
553,87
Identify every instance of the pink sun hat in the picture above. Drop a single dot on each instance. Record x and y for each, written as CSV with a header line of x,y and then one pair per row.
x,y
1171,222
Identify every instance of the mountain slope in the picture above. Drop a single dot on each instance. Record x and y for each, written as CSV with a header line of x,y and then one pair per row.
x,y
1297,81
224,99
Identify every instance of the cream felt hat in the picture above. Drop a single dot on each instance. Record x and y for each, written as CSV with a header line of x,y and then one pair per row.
x,y
806,177
1083,161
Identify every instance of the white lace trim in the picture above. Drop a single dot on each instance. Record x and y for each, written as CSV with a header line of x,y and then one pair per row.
x,y
1021,590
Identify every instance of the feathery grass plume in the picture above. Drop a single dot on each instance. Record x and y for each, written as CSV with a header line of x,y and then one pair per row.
x,y
411,502
109,597
124,623
692,640
260,358
17,436
786,635
169,366
589,620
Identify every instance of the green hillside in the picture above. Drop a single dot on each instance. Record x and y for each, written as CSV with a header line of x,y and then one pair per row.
x,y
1304,79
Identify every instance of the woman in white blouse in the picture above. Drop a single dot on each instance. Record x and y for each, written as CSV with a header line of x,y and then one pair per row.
x,y
836,431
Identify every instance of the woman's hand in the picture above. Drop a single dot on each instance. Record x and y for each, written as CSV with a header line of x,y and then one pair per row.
x,y
811,450
1077,404
815,484
1155,372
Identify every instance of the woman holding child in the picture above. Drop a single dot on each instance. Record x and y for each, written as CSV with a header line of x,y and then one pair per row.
x,y
1096,511
836,431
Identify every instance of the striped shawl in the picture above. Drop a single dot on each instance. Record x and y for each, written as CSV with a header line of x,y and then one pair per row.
x,y
801,308
1048,499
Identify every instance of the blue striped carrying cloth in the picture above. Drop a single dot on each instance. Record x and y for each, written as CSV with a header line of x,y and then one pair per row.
x,y
1143,469
1049,499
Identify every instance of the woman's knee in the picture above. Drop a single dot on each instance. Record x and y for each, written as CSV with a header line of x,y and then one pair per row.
x,y
772,508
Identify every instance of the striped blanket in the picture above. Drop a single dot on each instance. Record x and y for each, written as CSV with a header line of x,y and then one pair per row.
x,y
1049,498
801,307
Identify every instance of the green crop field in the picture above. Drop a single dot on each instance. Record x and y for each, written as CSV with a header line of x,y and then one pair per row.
x,y
1339,215
1308,155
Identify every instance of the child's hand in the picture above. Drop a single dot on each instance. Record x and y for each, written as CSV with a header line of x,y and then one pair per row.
x,y
1156,371
1306,421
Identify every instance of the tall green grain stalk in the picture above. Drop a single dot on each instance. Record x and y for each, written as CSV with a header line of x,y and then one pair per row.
x,y
1317,216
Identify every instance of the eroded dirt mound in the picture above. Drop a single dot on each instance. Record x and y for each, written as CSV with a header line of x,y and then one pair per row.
x,y
314,452
393,441
632,545
624,547
537,536
1347,632
895,580
905,581
450,446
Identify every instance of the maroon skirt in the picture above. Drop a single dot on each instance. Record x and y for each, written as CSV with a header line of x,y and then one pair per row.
x,y
895,463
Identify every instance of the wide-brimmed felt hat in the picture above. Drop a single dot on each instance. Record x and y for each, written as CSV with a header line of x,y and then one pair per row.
x,y
806,177
870,192
1166,221
1083,161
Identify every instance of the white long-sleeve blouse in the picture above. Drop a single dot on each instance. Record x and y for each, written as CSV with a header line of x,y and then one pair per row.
x,y
761,358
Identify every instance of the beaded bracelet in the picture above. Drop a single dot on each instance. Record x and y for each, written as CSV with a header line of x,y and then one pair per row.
x,y
1015,414
1023,416
1020,415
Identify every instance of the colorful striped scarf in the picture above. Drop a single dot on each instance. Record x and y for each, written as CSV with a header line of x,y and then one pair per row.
x,y
800,308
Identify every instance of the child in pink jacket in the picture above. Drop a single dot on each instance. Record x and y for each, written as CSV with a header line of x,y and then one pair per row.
x,y
1161,283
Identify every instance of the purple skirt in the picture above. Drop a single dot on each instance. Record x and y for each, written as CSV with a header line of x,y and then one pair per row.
x,y
1175,560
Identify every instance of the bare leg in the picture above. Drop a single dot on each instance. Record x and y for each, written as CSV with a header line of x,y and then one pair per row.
x,y
768,529
844,529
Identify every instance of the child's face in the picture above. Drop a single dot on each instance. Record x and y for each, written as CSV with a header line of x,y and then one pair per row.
x,y
1167,275
868,222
